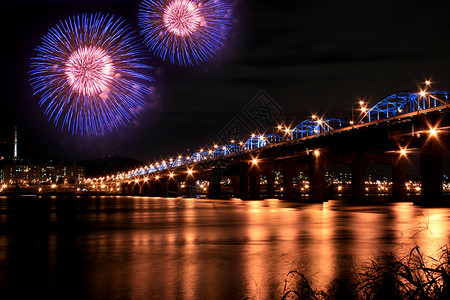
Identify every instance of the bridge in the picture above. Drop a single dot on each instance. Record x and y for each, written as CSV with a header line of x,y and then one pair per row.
x,y
389,133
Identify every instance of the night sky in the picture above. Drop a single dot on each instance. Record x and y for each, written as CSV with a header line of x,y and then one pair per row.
x,y
309,56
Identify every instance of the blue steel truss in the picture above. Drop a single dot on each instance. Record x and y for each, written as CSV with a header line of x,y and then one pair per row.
x,y
258,141
233,148
406,102
316,126
199,156
220,151
179,161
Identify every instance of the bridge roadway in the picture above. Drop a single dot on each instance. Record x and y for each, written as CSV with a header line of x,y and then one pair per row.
x,y
391,141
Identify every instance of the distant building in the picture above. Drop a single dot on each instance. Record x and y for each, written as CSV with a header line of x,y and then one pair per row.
x,y
39,174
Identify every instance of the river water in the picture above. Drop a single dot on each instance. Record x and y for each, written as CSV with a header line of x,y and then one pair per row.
x,y
158,248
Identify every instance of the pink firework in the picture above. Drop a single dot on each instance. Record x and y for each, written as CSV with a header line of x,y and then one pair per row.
x,y
91,75
182,17
89,71
187,32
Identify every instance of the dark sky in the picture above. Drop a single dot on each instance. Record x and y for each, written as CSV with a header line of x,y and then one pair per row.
x,y
309,56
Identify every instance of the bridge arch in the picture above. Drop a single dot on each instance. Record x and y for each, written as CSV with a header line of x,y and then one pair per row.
x,y
406,102
258,141
315,126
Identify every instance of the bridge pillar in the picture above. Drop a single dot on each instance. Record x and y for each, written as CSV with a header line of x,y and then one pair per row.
x,y
236,186
431,171
317,186
160,187
151,184
399,179
288,182
136,189
124,188
172,188
215,187
243,184
255,183
189,183
270,188
358,176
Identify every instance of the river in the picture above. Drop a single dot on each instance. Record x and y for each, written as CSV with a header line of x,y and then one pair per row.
x,y
166,248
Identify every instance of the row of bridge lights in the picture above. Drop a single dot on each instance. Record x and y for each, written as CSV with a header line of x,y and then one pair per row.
x,y
287,131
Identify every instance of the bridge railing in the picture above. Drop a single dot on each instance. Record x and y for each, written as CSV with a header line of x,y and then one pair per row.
x,y
406,102
315,126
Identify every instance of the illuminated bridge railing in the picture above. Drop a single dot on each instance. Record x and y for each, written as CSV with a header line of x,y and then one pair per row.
x,y
262,140
406,102
315,126
391,106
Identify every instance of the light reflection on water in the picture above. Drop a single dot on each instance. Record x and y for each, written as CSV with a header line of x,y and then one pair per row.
x,y
143,248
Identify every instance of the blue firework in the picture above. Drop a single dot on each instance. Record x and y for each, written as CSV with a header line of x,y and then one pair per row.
x,y
187,32
90,74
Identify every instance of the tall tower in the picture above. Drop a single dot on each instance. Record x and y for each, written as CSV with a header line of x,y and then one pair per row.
x,y
15,144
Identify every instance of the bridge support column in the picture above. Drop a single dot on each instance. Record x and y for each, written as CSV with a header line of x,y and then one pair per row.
x,y
288,182
189,183
124,189
214,183
159,187
270,184
151,183
255,183
358,177
317,186
236,186
431,171
243,184
145,188
136,188
172,188
399,179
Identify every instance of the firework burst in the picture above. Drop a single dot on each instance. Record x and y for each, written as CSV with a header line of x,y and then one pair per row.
x,y
187,32
90,74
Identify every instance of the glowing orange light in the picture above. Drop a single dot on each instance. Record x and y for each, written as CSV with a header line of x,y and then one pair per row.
x,y
403,152
427,82
361,102
433,132
363,109
157,177
422,93
280,127
316,153
313,116
171,175
255,161
190,172
351,122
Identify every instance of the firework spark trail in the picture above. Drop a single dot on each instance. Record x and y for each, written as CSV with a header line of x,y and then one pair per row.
x,y
90,74
187,32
